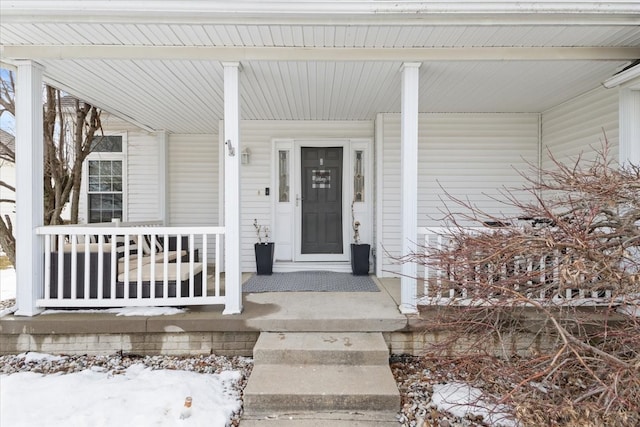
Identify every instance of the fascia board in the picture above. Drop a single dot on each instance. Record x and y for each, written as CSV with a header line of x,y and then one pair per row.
x,y
317,11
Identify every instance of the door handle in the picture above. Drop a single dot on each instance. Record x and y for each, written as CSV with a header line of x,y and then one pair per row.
x,y
298,199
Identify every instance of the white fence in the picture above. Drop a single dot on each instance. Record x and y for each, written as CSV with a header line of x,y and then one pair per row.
x,y
441,285
130,264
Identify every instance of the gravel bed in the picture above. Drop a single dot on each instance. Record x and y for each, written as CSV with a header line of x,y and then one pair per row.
x,y
415,377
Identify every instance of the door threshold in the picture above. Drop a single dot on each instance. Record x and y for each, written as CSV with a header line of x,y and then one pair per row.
x,y
288,266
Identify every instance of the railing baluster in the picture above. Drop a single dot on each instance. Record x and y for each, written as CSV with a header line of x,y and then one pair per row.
x,y
152,266
217,267
74,267
127,246
178,264
47,267
204,265
165,268
114,266
139,255
87,267
191,261
100,284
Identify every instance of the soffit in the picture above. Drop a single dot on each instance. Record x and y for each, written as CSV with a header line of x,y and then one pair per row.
x,y
186,95
376,36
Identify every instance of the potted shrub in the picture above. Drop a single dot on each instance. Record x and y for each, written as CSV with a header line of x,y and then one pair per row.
x,y
359,251
264,250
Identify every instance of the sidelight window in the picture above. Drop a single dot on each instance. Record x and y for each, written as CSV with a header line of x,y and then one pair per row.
x,y
358,176
283,176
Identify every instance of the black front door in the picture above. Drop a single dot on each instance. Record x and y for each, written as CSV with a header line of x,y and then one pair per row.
x,y
321,200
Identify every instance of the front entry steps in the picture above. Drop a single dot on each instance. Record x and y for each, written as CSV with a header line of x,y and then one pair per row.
x,y
321,379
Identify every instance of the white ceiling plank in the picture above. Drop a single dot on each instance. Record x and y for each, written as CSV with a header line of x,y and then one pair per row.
x,y
16,35
130,34
253,37
215,36
339,36
319,36
111,97
47,33
203,35
186,35
289,73
360,37
231,31
160,88
266,35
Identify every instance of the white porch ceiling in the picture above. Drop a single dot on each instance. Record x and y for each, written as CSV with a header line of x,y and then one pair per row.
x,y
528,70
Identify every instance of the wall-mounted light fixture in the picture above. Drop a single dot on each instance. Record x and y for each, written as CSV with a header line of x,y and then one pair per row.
x,y
245,156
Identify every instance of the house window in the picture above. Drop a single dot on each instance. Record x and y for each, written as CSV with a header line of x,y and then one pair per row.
x,y
283,176
105,179
358,176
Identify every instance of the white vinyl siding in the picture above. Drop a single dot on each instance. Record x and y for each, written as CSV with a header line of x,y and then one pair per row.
x,y
469,156
193,180
577,127
142,181
257,175
193,183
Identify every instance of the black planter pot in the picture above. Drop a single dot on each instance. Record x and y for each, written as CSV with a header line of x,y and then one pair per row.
x,y
360,259
264,258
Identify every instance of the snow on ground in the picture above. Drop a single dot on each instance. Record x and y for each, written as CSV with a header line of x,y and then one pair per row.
x,y
135,396
7,284
461,399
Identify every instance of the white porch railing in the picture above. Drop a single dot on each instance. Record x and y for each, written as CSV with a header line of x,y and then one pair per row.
x,y
130,264
441,287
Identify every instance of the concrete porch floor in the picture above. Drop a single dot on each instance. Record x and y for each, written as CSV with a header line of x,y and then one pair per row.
x,y
269,311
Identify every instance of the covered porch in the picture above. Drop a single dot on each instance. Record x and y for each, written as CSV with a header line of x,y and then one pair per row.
x,y
204,329
461,96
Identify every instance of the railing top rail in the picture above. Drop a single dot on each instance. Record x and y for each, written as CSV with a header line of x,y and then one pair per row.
x,y
155,222
108,231
450,230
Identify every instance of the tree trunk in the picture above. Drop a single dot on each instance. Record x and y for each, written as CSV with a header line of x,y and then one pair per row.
x,y
7,241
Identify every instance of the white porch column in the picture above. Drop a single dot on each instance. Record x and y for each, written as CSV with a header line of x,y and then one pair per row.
x,y
233,275
629,122
29,188
409,183
163,176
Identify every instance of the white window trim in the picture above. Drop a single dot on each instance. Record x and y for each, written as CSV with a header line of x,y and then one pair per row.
x,y
125,174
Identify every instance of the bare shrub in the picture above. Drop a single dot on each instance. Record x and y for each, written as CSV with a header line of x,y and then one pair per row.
x,y
528,287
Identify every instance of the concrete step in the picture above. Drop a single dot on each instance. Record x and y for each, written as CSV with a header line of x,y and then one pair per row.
x,y
324,419
277,389
344,348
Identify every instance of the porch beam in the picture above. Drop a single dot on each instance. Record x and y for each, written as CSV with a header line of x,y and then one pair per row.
x,y
29,188
232,150
234,53
409,183
629,123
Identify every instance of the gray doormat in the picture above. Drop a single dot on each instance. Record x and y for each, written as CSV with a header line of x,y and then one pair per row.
x,y
310,281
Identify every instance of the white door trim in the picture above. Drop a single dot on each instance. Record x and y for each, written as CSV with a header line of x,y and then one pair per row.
x,y
286,230
346,199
